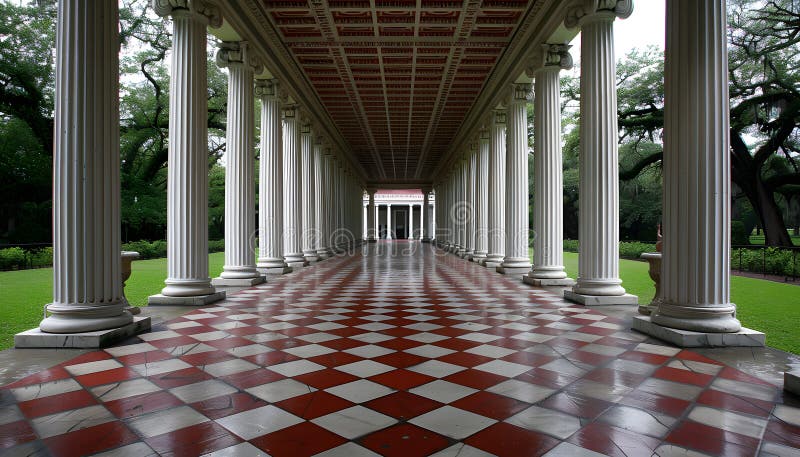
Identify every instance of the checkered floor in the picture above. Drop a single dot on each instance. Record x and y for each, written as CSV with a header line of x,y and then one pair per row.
x,y
398,354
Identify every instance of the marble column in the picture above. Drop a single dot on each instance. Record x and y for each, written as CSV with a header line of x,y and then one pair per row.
x,y
695,274
87,286
517,260
425,222
598,266
463,210
371,227
240,200
292,218
482,198
307,198
270,181
410,222
388,221
548,194
324,249
497,191
187,280
470,206
319,204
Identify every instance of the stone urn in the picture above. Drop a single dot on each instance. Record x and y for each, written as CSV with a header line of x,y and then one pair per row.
x,y
127,258
654,261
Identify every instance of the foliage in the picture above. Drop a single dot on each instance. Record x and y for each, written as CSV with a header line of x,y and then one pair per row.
x,y
770,260
739,235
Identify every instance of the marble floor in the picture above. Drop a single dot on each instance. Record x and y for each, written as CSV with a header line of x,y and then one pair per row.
x,y
399,350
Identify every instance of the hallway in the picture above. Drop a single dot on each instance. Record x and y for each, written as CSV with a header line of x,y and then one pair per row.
x,y
403,351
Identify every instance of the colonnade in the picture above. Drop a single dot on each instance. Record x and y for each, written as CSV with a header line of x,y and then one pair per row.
x,y
372,223
309,204
696,291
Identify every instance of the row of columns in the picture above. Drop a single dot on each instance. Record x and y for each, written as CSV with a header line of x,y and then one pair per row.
x,y
294,164
372,222
696,291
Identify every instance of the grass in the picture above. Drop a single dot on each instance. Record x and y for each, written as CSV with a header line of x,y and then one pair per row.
x,y
771,307
24,293
759,239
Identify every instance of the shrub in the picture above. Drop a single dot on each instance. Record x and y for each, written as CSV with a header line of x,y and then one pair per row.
x,y
12,259
739,235
216,245
571,245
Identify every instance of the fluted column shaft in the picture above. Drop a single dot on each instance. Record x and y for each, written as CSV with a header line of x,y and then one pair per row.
x,y
327,199
497,190
270,192
696,265
371,216
548,194
425,222
87,292
599,164
517,181
307,198
410,222
319,204
482,198
187,174
470,206
292,218
240,262
461,217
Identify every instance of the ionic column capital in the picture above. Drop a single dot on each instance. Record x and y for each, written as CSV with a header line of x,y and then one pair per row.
x,y
305,127
289,112
266,88
520,92
237,53
552,57
499,116
597,10
205,10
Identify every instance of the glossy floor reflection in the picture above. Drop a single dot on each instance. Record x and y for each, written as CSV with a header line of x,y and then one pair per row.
x,y
402,351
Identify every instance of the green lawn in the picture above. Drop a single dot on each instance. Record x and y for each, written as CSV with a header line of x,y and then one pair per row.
x,y
759,239
763,305
771,307
23,294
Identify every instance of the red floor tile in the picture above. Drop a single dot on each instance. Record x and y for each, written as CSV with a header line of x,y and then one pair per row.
x,y
783,433
15,433
613,441
636,356
143,357
402,379
335,359
476,379
179,378
509,440
615,377
252,378
90,440
403,405
547,378
52,374
400,359
405,440
314,404
712,440
226,405
142,404
576,405
652,402
730,402
323,379
490,405
65,402
683,376
301,440
107,377
736,375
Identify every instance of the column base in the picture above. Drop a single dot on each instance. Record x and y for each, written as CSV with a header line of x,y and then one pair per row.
x,y
513,271
688,339
791,381
426,240
601,300
272,271
477,258
35,338
543,282
238,282
372,240
198,300
298,265
491,264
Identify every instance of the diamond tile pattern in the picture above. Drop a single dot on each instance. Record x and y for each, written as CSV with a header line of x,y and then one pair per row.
x,y
301,366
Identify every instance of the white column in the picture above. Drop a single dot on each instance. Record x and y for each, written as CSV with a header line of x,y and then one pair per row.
x,y
187,180
377,222
388,221
469,222
270,181
517,260
696,265
307,198
371,217
497,191
482,198
319,204
598,265
425,218
410,221
325,250
292,219
87,286
463,212
240,199
548,194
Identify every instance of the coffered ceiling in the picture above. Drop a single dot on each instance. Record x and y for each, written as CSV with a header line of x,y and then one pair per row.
x,y
397,78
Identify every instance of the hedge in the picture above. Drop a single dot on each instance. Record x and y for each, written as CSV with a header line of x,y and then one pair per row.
x,y
776,261
17,258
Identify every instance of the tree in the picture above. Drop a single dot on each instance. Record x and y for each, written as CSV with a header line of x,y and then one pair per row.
x,y
765,109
